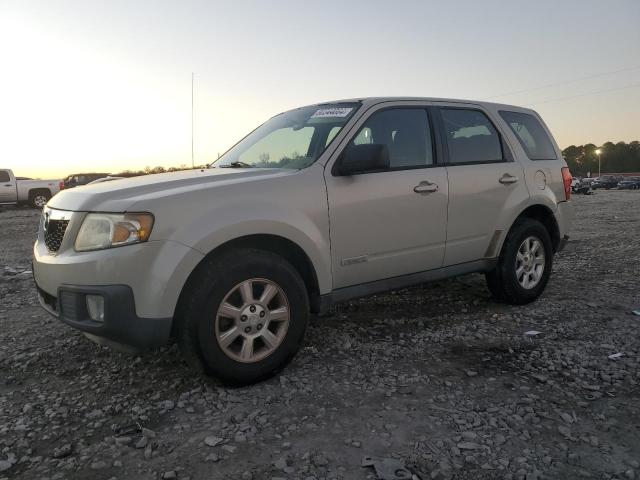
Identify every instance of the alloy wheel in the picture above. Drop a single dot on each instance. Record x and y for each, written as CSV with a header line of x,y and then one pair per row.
x,y
252,320
530,262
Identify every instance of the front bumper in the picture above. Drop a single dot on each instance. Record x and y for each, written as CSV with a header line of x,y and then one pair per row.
x,y
156,271
120,325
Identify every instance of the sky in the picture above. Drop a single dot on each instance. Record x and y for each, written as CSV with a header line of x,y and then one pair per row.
x,y
106,86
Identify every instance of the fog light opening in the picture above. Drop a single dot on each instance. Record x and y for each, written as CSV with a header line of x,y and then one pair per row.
x,y
95,307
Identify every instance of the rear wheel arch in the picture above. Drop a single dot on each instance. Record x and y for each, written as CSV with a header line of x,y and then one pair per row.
x,y
546,217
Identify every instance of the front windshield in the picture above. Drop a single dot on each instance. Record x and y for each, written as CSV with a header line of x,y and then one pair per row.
x,y
294,139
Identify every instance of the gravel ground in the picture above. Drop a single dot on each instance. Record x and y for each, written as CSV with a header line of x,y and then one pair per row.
x,y
439,377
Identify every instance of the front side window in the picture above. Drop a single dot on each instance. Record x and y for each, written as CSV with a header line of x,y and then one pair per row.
x,y
293,139
406,133
470,136
4,177
531,135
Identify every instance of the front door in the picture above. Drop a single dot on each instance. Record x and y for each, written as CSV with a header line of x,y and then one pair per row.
x,y
392,222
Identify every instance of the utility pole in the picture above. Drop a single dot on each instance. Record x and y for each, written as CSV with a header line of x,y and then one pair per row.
x,y
192,157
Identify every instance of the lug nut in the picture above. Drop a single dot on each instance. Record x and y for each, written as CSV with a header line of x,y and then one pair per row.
x,y
259,326
252,308
243,318
262,314
247,330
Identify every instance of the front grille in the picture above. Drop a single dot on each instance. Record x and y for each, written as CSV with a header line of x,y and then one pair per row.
x,y
54,233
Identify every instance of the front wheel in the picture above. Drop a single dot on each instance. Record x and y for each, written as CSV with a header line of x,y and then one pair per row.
x,y
524,264
244,316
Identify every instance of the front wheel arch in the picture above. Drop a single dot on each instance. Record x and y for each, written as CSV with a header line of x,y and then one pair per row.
x,y
283,247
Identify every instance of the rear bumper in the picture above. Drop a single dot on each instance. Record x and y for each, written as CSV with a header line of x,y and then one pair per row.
x,y
120,325
564,217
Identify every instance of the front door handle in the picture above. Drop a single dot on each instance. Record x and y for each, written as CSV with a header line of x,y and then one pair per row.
x,y
425,187
506,179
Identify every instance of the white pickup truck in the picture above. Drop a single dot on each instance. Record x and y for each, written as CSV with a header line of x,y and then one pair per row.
x,y
34,192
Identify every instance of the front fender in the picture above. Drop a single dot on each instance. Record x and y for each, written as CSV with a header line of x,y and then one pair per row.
x,y
305,234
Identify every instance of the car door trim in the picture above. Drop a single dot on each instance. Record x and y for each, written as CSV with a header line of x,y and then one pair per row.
x,y
379,286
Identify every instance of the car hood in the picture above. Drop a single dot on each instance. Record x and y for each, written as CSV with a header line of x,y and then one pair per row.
x,y
120,195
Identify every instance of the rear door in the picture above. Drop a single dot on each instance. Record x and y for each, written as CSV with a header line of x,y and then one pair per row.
x,y
485,183
389,223
7,188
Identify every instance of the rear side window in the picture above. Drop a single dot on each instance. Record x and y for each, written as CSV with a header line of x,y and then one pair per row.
x,y
531,135
471,137
4,177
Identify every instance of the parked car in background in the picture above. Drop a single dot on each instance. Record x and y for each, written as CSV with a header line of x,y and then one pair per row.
x,y
606,182
629,183
318,205
582,187
78,179
34,192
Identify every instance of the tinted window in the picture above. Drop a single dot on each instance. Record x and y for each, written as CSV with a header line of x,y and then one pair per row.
x,y
406,133
471,137
4,177
531,135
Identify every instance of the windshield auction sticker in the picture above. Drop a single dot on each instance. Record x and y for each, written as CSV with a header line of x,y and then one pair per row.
x,y
336,112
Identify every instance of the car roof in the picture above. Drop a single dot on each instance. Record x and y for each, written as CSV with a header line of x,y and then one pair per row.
x,y
370,101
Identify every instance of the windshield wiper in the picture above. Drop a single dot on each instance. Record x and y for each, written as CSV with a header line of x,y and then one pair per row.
x,y
236,164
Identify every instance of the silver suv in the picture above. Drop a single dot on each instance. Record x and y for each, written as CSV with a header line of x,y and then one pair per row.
x,y
318,205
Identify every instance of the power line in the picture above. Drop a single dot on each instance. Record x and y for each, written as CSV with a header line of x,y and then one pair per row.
x,y
633,85
565,82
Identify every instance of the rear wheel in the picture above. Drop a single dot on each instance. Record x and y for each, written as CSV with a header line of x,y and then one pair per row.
x,y
244,316
524,264
39,198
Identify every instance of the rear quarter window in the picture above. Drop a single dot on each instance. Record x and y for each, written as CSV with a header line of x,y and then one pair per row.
x,y
531,135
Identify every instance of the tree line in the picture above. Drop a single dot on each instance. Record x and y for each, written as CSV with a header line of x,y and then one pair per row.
x,y
618,157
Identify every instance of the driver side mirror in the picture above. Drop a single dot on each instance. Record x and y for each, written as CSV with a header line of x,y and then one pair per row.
x,y
363,159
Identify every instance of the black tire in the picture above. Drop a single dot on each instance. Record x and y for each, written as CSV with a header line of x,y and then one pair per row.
x,y
502,281
37,196
205,292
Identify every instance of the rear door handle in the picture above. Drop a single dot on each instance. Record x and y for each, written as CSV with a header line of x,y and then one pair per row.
x,y
425,187
506,179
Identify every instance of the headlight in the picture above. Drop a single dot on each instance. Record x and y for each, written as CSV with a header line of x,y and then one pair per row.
x,y
106,230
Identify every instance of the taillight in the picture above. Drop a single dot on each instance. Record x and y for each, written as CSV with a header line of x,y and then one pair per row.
x,y
61,185
566,179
